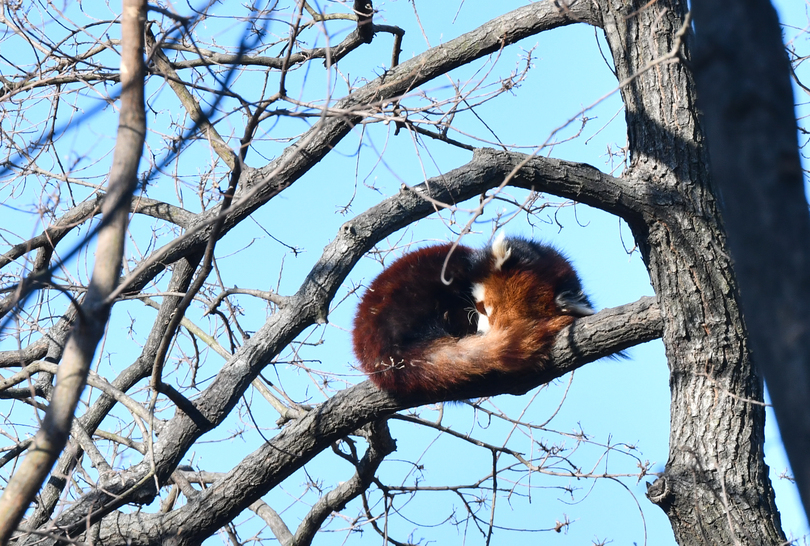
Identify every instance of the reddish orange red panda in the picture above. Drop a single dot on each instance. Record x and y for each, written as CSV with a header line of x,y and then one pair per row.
x,y
499,315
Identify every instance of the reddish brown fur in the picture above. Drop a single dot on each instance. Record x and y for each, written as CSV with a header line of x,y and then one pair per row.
x,y
413,334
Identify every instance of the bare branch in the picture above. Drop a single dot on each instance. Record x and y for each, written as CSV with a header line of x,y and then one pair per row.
x,y
188,101
51,438
603,334
380,446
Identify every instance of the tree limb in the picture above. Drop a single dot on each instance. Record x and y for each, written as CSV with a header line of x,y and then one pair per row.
x,y
588,339
92,318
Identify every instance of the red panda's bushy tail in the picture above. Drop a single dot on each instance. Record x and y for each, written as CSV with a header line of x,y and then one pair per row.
x,y
442,365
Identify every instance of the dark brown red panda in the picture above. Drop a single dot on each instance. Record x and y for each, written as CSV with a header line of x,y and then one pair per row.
x,y
499,315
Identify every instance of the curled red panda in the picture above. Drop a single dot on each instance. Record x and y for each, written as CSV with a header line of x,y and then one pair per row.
x,y
499,315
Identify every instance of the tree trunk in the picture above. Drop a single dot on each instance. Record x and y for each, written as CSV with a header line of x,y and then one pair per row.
x,y
748,111
715,488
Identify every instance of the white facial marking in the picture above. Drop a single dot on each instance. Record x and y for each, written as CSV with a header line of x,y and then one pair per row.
x,y
483,324
478,292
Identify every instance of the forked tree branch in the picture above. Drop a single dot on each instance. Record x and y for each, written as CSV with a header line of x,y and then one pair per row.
x,y
585,341
310,305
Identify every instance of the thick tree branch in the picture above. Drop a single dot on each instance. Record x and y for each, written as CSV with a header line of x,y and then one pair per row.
x,y
261,185
625,197
586,340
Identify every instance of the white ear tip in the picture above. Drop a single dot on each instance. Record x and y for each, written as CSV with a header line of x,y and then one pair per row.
x,y
500,250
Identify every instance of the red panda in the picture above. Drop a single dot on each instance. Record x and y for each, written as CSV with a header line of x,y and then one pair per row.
x,y
499,315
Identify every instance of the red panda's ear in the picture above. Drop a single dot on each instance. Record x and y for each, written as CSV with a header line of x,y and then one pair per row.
x,y
574,304
500,251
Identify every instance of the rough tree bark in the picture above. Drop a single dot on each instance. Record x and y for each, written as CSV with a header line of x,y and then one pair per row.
x,y
747,100
715,489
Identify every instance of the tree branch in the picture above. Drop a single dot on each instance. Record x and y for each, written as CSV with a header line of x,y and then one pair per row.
x,y
92,318
309,305
189,102
380,445
86,210
588,339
